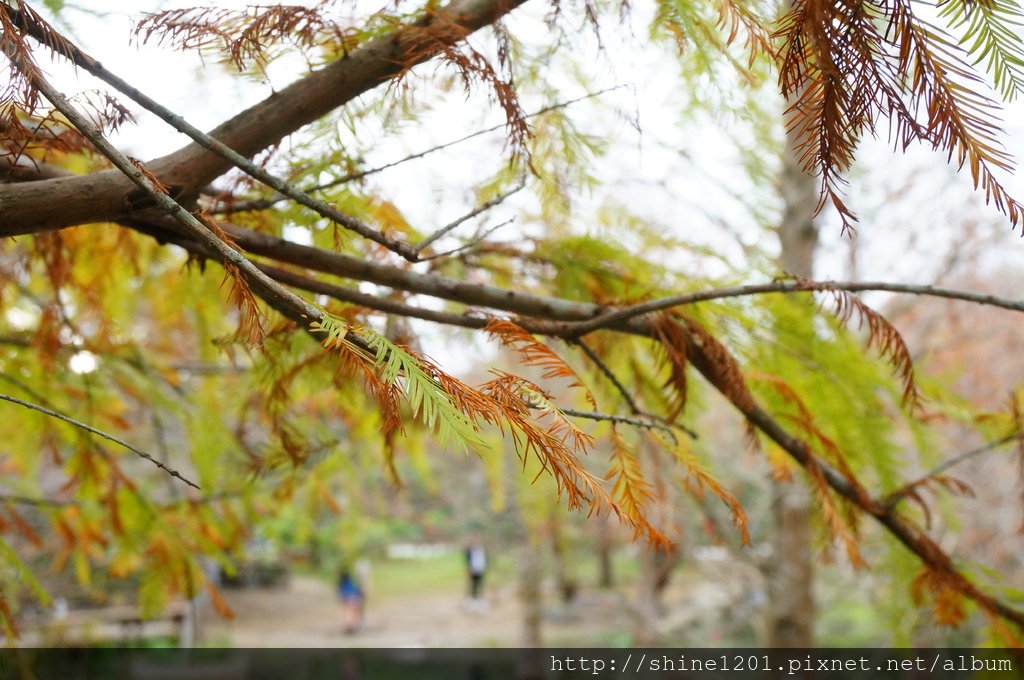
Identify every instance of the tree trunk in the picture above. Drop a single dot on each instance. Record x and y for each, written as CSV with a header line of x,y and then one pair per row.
x,y
605,545
567,583
530,660
655,570
645,607
533,604
790,573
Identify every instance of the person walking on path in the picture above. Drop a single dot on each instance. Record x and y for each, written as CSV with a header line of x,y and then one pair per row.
x,y
476,567
352,602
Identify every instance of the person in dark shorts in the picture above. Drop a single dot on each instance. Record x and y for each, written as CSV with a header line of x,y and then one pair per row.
x,y
352,602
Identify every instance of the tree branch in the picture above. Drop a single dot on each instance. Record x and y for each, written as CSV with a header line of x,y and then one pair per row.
x,y
626,420
100,196
897,495
468,246
101,433
592,355
633,406
484,207
610,319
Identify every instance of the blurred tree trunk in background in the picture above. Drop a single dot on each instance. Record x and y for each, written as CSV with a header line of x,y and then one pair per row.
x,y
645,606
655,572
568,586
531,573
790,571
605,547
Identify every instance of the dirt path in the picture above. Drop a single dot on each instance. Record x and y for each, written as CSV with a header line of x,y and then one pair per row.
x,y
306,613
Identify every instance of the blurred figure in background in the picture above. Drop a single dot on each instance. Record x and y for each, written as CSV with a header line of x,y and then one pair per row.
x,y
353,601
476,567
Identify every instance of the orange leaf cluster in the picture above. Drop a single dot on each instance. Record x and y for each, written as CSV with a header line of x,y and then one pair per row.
x,y
23,132
250,324
945,592
684,340
630,486
507,402
15,25
536,353
844,65
472,66
882,336
243,36
843,529
700,478
673,341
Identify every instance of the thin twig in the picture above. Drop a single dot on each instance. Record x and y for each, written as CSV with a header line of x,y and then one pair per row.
x,y
484,207
626,420
471,244
101,433
38,502
895,497
611,418
623,314
264,203
633,406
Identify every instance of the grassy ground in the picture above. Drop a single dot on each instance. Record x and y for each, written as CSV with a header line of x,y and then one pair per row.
x,y
403,578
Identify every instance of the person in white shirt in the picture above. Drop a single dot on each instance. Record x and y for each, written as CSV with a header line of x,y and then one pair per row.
x,y
476,567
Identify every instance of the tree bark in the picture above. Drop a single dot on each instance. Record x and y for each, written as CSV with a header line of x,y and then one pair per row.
x,y
568,586
605,548
655,570
790,573
531,572
645,607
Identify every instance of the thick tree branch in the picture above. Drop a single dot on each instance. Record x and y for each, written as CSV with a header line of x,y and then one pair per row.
x,y
102,196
